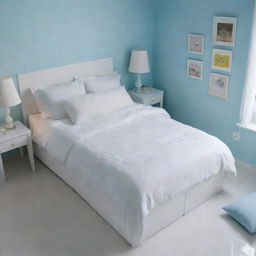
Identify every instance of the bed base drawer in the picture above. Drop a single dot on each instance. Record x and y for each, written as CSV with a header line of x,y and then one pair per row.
x,y
200,193
176,207
163,215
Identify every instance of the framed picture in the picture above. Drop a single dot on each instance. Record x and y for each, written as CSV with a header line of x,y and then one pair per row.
x,y
222,60
195,69
196,44
218,85
224,31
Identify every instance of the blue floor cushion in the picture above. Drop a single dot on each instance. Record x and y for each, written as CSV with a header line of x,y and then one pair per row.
x,y
244,211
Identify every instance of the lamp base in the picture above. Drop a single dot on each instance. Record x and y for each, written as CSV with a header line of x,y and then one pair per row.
x,y
2,130
9,126
138,83
8,120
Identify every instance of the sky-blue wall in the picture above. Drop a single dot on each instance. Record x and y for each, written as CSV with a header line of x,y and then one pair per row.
x,y
187,99
39,34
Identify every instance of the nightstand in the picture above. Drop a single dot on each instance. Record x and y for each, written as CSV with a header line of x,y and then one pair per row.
x,y
150,97
16,138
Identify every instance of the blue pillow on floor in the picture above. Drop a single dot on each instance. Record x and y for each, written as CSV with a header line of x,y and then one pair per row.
x,y
244,211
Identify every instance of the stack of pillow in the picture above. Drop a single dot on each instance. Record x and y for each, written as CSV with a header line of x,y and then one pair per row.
x,y
83,99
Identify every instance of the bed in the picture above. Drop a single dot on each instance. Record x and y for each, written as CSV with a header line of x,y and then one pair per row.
x,y
139,175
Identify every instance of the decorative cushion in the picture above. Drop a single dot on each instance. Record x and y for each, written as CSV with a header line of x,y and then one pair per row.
x,y
49,99
82,109
99,84
244,211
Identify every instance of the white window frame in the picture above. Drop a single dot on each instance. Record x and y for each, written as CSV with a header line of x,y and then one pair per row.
x,y
248,99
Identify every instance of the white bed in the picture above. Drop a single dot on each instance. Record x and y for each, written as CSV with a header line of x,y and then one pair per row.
x,y
121,164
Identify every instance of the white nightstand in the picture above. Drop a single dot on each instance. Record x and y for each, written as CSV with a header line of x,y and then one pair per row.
x,y
16,138
151,97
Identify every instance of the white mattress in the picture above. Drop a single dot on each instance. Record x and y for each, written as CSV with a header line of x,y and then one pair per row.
x,y
138,157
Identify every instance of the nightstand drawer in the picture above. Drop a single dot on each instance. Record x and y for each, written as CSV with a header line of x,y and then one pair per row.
x,y
137,99
150,97
12,144
152,100
156,99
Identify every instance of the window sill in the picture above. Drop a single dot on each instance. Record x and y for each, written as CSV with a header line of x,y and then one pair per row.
x,y
250,127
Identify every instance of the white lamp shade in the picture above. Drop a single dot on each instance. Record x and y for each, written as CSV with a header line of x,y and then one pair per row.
x,y
8,94
139,62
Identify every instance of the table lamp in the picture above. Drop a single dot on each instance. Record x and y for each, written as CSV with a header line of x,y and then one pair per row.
x,y
139,64
9,97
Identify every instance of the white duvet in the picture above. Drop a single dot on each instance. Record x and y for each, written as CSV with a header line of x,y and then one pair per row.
x,y
138,157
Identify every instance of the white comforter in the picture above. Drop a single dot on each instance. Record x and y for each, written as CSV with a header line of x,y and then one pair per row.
x,y
138,157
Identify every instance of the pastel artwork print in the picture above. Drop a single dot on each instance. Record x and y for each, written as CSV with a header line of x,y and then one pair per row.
x,y
225,32
221,60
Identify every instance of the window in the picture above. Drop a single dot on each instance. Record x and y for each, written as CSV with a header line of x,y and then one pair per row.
x,y
248,105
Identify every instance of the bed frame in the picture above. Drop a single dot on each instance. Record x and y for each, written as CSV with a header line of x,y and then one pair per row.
x,y
159,217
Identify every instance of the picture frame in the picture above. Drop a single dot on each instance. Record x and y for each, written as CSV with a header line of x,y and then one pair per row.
x,y
224,31
195,69
218,85
222,60
196,44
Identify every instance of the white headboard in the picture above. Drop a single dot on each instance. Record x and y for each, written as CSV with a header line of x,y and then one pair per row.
x,y
48,77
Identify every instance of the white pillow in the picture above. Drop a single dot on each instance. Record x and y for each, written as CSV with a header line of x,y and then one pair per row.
x,y
49,99
98,84
82,109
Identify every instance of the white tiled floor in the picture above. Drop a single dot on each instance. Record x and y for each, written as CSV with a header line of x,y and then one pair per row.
x,y
41,215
